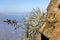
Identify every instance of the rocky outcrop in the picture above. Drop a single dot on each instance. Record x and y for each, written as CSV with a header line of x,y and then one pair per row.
x,y
53,19
53,11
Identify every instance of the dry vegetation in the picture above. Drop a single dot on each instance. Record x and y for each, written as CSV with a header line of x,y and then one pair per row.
x,y
33,23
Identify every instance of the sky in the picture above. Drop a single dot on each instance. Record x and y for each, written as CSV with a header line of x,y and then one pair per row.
x,y
16,6
22,5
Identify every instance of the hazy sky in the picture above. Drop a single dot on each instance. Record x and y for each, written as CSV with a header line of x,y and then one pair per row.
x,y
16,6
22,5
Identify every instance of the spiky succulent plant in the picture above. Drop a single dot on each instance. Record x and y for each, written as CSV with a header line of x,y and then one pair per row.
x,y
34,22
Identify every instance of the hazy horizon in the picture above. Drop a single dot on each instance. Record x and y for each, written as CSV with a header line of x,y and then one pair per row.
x,y
16,10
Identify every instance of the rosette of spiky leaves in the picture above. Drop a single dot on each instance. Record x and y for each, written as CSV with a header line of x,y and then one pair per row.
x,y
34,22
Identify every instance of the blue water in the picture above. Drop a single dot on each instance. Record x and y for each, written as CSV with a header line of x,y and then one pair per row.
x,y
7,32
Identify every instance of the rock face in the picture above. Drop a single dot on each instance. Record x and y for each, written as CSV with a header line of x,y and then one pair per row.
x,y
53,18
54,12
